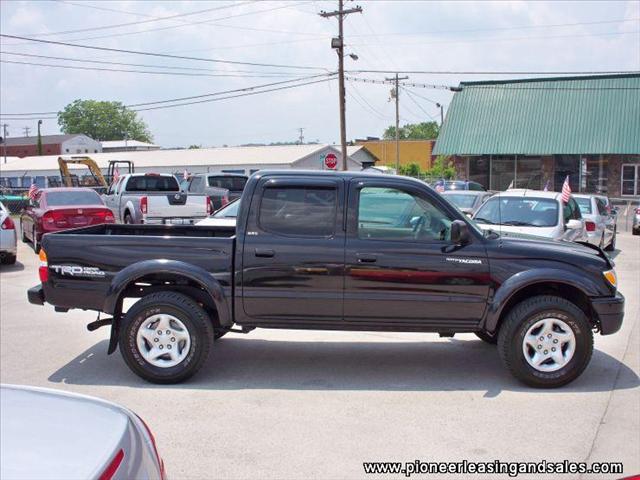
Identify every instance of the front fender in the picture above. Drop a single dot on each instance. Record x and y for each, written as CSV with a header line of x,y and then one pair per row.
x,y
173,267
529,277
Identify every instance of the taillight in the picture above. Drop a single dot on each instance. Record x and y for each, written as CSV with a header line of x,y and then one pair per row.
x,y
155,448
112,468
58,219
109,218
591,227
144,205
209,206
8,224
225,200
43,270
637,211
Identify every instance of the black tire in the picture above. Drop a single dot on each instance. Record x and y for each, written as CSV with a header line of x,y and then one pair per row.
x,y
522,317
195,319
485,337
128,220
9,259
35,243
612,246
217,334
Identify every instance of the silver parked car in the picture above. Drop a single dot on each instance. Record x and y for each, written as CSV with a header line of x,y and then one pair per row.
x,y
636,220
526,213
49,434
600,224
468,201
8,237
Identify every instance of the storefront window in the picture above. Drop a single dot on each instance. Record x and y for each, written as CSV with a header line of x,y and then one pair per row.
x,y
567,165
630,179
595,168
479,170
502,171
528,172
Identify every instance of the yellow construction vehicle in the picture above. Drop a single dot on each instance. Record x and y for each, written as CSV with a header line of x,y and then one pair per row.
x,y
69,180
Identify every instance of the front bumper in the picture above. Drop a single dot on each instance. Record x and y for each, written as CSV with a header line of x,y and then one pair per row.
x,y
36,295
610,310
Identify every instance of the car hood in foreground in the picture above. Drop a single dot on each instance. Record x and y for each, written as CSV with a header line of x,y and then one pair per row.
x,y
52,435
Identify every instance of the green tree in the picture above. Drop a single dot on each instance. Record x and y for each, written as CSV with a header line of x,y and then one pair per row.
x,y
442,168
411,170
194,147
413,131
103,120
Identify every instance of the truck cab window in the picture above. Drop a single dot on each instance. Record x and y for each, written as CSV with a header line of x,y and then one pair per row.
x,y
299,211
392,214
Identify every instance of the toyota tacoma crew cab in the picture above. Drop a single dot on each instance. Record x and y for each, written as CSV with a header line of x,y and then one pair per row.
x,y
333,251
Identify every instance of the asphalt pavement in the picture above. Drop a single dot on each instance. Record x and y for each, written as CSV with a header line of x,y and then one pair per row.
x,y
281,404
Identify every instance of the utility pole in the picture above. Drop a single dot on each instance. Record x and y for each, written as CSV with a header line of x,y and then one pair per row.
x,y
338,44
301,136
4,140
395,93
39,138
441,107
26,131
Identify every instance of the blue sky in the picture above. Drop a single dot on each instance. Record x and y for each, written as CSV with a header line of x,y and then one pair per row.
x,y
388,35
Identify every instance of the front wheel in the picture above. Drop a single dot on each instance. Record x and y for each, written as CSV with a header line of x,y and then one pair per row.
x,y
546,341
612,246
165,337
485,337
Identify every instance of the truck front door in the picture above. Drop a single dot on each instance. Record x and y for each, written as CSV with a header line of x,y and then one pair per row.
x,y
293,257
400,265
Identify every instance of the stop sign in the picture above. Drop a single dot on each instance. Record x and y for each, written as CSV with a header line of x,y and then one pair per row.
x,y
331,161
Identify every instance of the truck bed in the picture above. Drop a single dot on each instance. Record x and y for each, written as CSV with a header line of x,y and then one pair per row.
x,y
84,262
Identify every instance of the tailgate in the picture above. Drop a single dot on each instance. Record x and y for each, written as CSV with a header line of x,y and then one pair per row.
x,y
176,205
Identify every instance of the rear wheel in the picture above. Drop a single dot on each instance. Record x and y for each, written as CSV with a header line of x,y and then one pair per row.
x,y
128,220
165,337
546,342
486,337
9,259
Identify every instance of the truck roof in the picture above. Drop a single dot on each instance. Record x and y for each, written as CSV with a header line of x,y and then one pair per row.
x,y
349,174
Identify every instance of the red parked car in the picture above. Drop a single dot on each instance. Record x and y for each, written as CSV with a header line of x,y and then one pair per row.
x,y
55,209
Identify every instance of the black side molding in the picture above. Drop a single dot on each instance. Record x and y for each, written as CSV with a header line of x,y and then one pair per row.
x,y
36,295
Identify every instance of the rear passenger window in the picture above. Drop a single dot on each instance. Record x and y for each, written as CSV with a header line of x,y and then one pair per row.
x,y
299,211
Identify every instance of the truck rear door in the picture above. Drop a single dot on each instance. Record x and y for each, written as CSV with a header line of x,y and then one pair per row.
x,y
293,257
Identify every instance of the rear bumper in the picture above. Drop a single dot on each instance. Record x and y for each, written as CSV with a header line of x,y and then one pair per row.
x,y
171,220
610,310
36,295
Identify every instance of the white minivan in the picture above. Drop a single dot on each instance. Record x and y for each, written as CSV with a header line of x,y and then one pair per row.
x,y
526,213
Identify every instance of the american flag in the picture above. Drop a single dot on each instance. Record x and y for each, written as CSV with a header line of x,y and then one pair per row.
x,y
33,191
116,174
566,190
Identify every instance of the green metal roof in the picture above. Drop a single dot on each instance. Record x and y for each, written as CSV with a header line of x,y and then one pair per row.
x,y
568,115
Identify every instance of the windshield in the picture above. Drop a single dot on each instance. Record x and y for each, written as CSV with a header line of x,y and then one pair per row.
x,y
228,211
461,200
584,204
62,199
153,183
519,211
233,184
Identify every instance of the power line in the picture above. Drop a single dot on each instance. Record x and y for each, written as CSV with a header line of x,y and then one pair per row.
x,y
169,67
163,55
422,97
140,22
521,27
403,84
148,72
287,32
171,27
194,97
497,72
410,95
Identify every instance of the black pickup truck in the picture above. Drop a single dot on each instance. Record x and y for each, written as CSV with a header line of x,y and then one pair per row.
x,y
339,251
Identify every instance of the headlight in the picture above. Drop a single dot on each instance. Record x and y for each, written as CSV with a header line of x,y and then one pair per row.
x,y
611,277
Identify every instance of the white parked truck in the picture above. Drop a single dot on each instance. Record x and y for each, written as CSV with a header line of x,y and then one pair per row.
x,y
154,198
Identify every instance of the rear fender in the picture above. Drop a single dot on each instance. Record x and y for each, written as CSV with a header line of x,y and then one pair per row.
x,y
133,272
540,276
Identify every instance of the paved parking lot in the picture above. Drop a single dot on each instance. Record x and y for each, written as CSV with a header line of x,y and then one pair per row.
x,y
296,404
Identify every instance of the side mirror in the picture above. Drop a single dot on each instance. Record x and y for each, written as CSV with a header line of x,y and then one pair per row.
x,y
574,224
460,233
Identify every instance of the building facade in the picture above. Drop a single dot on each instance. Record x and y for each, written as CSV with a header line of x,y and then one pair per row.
x,y
418,152
534,133
73,144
